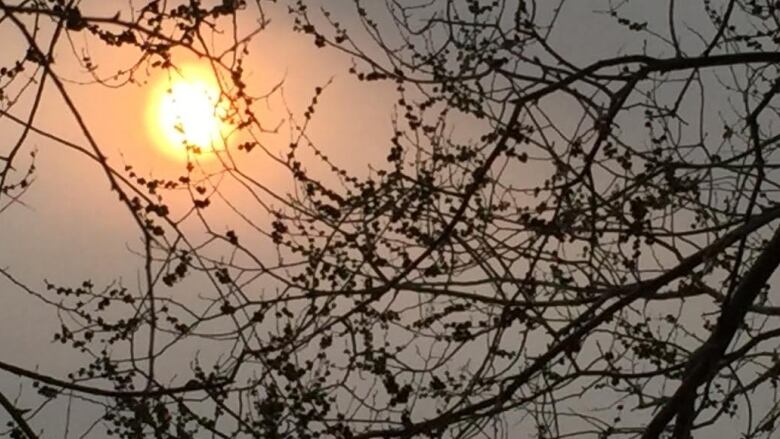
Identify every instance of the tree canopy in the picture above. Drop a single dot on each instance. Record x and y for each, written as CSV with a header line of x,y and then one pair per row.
x,y
570,232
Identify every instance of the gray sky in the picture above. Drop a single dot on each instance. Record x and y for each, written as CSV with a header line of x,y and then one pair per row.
x,y
71,228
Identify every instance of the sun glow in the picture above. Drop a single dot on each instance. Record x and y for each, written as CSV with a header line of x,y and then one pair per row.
x,y
187,114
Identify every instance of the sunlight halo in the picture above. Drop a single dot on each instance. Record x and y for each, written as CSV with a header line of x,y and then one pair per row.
x,y
185,114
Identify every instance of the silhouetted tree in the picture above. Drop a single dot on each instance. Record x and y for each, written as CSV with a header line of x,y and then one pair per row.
x,y
566,238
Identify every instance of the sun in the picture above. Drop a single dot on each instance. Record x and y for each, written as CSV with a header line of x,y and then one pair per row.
x,y
186,115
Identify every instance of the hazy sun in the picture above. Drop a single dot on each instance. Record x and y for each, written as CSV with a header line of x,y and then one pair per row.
x,y
185,111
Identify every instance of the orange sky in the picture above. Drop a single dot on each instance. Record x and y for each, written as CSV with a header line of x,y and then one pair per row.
x,y
72,227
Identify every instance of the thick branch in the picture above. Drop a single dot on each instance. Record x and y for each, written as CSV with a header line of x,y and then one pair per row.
x,y
105,392
16,415
703,362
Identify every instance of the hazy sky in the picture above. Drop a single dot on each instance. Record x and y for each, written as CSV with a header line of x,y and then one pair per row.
x,y
71,227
